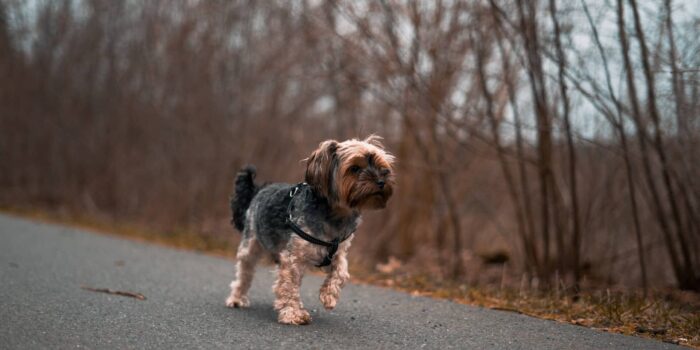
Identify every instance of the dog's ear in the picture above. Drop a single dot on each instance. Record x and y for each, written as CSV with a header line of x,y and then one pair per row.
x,y
320,168
375,140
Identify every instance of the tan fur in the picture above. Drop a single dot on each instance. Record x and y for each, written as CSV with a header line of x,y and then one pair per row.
x,y
248,254
319,169
288,302
290,271
336,278
351,191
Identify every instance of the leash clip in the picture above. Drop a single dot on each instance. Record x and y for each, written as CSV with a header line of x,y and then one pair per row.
x,y
295,189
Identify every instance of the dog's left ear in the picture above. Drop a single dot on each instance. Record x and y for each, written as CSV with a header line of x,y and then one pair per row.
x,y
320,168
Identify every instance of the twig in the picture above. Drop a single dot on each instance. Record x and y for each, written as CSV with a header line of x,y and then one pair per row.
x,y
138,296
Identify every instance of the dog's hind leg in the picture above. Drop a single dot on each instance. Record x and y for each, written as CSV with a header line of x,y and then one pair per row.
x,y
249,252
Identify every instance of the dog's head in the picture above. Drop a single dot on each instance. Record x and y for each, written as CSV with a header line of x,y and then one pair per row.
x,y
352,174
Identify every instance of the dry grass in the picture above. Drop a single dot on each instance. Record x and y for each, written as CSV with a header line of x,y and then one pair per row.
x,y
668,315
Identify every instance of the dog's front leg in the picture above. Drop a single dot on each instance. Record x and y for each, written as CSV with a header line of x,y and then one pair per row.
x,y
336,277
288,301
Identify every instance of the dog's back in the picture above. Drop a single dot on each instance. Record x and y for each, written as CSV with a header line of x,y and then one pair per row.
x,y
268,216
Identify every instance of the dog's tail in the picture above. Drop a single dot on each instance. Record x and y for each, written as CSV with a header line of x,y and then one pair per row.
x,y
245,191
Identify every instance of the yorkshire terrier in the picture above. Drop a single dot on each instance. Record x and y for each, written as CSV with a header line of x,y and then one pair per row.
x,y
308,224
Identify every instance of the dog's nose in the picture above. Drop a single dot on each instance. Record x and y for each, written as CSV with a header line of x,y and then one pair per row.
x,y
380,183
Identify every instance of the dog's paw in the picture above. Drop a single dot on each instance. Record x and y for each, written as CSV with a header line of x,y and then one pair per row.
x,y
328,300
289,315
237,302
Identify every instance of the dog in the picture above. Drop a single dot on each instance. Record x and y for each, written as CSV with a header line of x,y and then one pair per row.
x,y
308,224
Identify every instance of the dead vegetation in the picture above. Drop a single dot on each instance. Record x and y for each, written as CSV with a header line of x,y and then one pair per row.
x,y
668,315
560,136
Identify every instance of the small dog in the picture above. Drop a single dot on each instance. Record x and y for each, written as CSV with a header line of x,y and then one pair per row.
x,y
309,224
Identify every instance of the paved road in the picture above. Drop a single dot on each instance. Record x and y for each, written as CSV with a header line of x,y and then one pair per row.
x,y
42,305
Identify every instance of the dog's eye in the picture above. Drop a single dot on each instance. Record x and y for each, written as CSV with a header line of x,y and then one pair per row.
x,y
355,169
384,172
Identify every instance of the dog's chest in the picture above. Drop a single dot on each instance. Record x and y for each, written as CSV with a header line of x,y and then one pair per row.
x,y
313,254
329,229
325,230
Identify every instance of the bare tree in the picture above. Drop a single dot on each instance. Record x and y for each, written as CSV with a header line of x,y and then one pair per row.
x,y
507,141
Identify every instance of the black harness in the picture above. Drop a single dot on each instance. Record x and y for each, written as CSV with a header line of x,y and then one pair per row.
x,y
332,245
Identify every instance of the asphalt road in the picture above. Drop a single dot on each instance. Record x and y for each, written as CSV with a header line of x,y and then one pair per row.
x,y
42,305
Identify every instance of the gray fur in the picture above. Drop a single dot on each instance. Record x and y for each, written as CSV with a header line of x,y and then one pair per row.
x,y
267,214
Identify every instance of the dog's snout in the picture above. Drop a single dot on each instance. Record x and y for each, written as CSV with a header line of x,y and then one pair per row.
x,y
381,183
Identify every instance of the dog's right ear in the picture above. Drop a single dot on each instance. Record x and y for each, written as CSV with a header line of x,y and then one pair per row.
x,y
375,140
320,169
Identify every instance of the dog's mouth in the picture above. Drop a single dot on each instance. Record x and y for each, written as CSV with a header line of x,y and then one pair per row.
x,y
369,196
376,199
378,196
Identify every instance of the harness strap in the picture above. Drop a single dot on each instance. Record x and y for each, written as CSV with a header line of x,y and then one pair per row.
x,y
332,245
